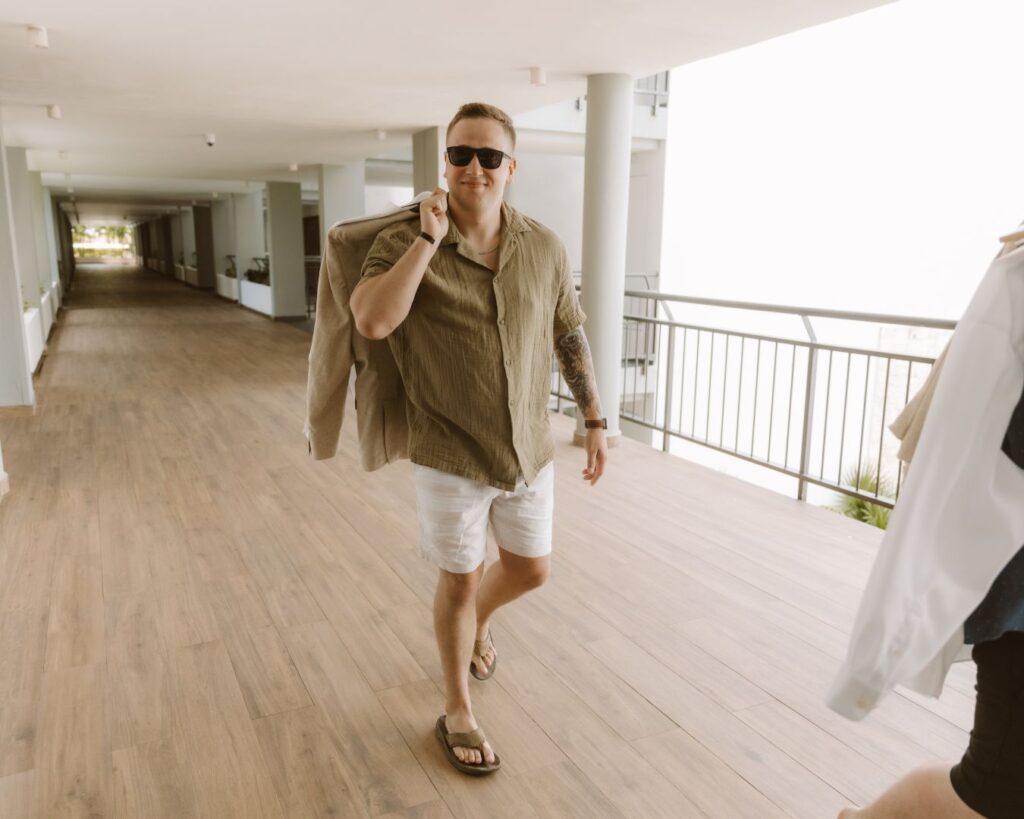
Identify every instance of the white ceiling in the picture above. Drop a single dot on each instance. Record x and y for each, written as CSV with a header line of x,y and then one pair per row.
x,y
312,81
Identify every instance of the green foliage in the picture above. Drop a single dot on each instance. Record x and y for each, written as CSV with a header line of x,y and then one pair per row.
x,y
862,510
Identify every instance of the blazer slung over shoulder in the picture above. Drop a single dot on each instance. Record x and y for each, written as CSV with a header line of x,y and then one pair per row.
x,y
337,346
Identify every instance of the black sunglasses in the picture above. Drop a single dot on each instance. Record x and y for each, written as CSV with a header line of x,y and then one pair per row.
x,y
462,155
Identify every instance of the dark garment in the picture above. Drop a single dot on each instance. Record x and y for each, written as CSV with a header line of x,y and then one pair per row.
x,y
990,777
1002,610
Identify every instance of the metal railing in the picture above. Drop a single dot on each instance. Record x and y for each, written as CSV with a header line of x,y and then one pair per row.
x,y
814,411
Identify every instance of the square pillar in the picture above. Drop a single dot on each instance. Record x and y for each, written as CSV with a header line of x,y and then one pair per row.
x,y
342,193
287,268
427,166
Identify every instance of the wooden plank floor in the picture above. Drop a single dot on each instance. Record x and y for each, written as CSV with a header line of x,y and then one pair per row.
x,y
197,620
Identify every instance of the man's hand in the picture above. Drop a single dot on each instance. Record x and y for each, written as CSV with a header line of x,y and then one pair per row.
x,y
596,444
434,214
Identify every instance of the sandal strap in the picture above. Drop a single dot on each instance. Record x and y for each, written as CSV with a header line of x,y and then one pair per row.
x,y
470,739
480,646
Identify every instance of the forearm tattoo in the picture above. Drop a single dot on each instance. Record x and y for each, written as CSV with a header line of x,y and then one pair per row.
x,y
577,365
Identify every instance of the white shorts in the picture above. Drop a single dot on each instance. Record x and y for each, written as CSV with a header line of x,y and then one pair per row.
x,y
453,513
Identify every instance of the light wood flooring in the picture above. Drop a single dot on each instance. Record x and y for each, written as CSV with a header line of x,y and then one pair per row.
x,y
197,620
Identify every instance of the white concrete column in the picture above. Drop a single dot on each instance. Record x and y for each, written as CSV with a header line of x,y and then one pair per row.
x,y
223,212
188,237
50,229
15,380
248,228
342,193
605,223
24,226
287,269
427,165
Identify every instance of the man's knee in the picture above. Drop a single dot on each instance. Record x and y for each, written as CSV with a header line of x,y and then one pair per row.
x,y
534,573
459,589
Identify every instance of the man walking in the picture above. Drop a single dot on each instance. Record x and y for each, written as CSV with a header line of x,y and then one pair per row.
x,y
472,299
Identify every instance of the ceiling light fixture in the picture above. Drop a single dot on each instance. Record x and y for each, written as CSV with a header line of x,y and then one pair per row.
x,y
538,75
53,111
213,195
381,134
62,154
38,37
294,166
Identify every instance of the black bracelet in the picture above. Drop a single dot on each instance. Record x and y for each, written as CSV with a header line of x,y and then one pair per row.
x,y
428,237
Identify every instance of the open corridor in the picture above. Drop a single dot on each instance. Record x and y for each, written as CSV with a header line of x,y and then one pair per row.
x,y
198,620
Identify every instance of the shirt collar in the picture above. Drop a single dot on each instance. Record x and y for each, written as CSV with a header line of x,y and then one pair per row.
x,y
511,222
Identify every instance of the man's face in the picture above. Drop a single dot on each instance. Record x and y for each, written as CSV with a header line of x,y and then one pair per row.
x,y
472,187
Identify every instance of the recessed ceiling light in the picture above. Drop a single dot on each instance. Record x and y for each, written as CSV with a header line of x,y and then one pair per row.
x,y
62,154
71,190
294,166
213,195
38,37
53,111
538,75
381,134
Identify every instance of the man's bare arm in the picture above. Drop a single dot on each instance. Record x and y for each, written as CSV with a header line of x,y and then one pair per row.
x,y
577,365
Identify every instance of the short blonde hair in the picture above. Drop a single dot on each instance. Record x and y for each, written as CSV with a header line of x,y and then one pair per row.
x,y
481,110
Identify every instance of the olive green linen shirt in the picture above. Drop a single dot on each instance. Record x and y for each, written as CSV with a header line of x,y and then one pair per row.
x,y
474,353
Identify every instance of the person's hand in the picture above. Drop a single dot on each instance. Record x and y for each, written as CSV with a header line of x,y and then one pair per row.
x,y
596,445
434,214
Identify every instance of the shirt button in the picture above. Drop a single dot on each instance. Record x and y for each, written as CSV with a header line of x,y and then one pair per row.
x,y
501,322
508,362
511,403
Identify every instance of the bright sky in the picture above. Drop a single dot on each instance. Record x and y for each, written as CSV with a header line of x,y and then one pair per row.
x,y
868,164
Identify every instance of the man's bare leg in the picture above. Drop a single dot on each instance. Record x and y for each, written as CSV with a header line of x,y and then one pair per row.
x,y
925,793
507,578
454,626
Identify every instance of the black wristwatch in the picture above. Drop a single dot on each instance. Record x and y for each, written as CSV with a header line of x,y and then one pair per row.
x,y
600,423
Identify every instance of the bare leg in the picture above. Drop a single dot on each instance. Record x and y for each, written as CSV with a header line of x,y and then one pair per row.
x,y
454,626
507,578
925,793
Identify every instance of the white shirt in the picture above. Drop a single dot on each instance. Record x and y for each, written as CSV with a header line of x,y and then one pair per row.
x,y
960,516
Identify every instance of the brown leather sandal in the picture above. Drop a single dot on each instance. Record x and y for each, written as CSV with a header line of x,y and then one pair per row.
x,y
471,739
479,649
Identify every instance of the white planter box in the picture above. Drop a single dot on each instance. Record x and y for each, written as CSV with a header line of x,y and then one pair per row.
x,y
256,297
191,276
33,338
179,272
227,287
46,313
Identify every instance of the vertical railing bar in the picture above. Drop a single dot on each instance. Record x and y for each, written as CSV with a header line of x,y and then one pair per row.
x,y
696,377
906,400
757,383
666,439
789,412
828,401
682,382
863,416
647,367
771,404
881,431
711,380
725,381
842,431
739,394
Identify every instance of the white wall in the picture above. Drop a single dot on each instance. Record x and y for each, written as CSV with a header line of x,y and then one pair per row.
x,y
188,236
177,244
381,197
24,226
646,205
223,214
287,270
51,235
249,238
549,188
15,383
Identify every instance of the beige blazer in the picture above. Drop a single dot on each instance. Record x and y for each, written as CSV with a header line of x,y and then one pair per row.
x,y
380,398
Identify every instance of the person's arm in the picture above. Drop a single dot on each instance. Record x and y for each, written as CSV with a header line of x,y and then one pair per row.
x,y
379,304
577,367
